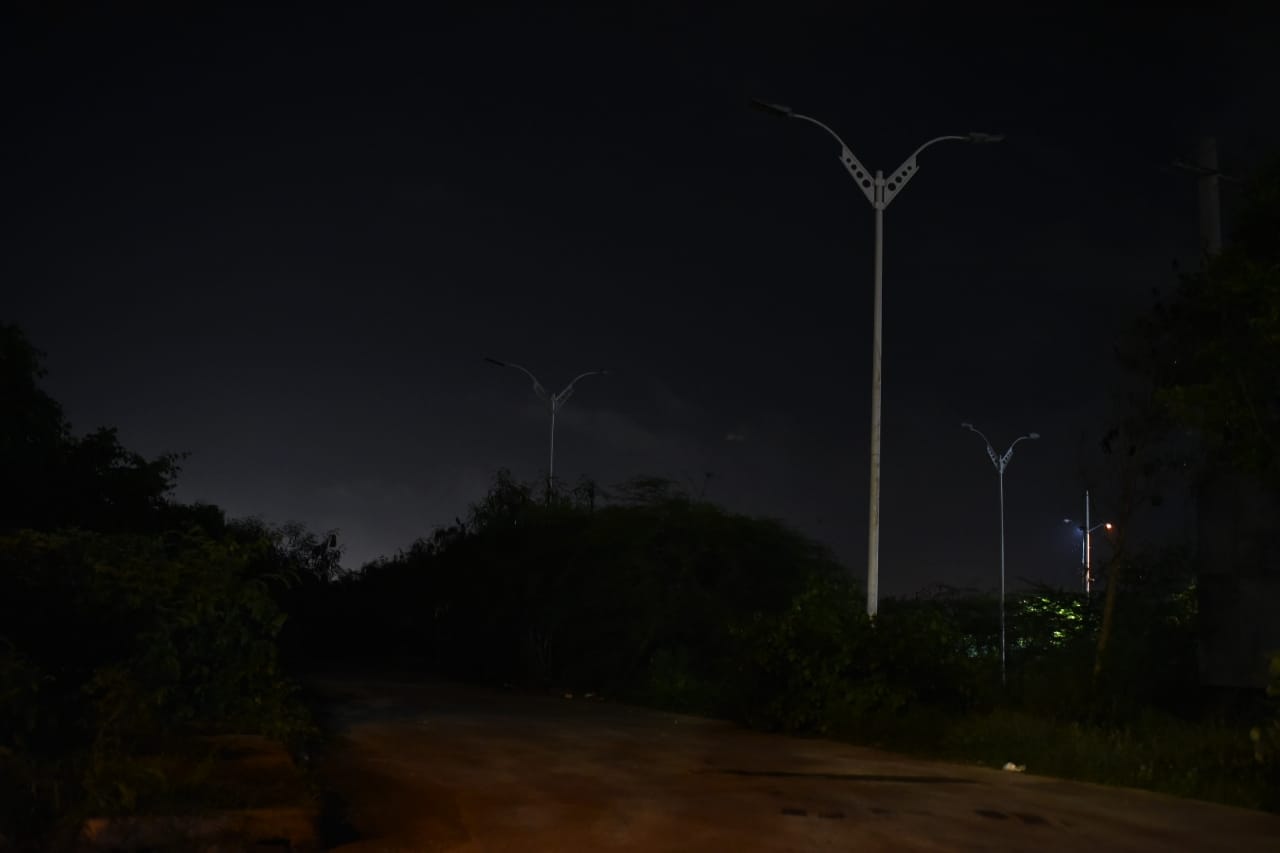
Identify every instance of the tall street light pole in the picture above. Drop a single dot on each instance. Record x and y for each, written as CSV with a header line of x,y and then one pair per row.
x,y
1086,543
880,191
1086,552
554,403
1001,462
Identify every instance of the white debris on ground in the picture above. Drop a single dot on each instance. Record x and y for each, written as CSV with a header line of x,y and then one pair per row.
x,y
1016,768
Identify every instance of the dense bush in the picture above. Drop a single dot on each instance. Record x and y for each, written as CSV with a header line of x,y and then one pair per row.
x,y
813,666
593,592
113,642
1265,735
127,620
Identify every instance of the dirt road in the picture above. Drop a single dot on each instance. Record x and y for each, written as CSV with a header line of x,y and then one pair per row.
x,y
430,767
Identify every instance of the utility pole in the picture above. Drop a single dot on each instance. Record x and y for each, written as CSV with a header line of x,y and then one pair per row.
x,y
1209,178
1210,203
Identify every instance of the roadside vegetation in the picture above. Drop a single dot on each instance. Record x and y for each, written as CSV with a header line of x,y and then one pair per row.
x,y
659,599
652,596
131,627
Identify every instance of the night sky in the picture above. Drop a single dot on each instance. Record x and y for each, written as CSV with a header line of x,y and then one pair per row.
x,y
284,241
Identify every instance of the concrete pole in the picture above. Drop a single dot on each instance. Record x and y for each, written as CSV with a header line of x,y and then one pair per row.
x,y
1210,203
551,465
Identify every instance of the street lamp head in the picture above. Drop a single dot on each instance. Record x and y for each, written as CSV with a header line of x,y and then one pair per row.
x,y
1034,435
771,108
985,138
1109,526
966,426
495,361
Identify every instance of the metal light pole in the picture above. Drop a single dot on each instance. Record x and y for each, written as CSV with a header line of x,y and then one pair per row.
x,y
880,191
1001,462
1086,543
1086,547
554,402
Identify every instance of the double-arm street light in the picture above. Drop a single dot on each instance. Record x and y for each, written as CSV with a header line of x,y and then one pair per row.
x,y
554,403
1001,462
880,191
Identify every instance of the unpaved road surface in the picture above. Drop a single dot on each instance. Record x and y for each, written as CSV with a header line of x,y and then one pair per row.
x,y
433,767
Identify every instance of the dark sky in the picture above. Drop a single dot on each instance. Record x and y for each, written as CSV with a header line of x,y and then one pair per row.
x,y
283,240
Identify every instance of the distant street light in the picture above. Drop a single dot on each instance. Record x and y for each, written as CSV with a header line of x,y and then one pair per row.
x,y
554,403
1086,546
879,190
1001,462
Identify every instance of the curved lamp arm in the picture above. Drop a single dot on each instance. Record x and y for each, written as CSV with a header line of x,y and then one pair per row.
x,y
1008,454
973,428
559,399
896,181
537,386
860,174
991,451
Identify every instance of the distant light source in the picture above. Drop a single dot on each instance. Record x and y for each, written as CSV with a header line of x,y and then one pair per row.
x,y
1086,543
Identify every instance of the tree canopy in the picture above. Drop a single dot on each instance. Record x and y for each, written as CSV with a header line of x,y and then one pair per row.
x,y
54,479
1212,351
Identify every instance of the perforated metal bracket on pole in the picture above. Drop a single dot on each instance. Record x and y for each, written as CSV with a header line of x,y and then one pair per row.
x,y
895,182
859,173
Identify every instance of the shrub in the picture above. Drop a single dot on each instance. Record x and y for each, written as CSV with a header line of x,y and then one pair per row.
x,y
813,666
113,642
